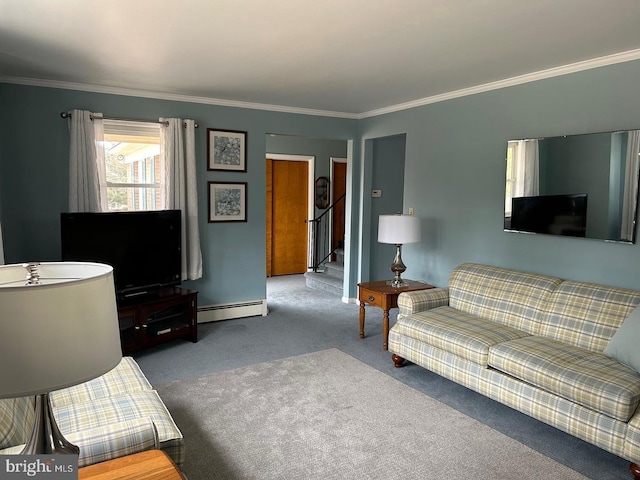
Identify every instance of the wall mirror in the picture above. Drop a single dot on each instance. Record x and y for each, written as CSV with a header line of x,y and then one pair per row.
x,y
575,185
322,192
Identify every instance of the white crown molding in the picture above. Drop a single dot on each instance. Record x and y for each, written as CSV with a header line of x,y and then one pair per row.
x,y
509,82
35,82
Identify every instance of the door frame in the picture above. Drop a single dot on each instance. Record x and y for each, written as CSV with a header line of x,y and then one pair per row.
x,y
310,159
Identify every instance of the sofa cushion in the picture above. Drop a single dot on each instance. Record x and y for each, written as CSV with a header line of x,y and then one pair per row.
x,y
623,346
588,378
103,411
512,298
456,332
126,377
587,315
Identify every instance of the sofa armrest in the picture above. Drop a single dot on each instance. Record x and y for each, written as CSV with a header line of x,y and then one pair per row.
x,y
114,440
421,300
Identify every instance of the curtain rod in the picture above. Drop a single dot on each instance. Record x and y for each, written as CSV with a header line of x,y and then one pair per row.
x,y
68,115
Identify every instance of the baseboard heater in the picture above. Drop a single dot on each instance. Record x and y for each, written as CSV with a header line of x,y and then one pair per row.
x,y
227,311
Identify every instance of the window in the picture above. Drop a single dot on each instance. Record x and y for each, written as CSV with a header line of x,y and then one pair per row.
x,y
523,179
511,177
135,171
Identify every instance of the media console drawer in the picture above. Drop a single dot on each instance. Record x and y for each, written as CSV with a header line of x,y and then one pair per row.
x,y
157,318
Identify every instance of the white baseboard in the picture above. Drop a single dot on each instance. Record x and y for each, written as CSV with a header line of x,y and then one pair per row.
x,y
227,311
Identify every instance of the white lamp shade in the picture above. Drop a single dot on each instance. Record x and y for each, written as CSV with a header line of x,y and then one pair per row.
x,y
398,229
61,332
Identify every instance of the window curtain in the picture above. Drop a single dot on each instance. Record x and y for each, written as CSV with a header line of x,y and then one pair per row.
x,y
178,148
527,169
630,185
87,182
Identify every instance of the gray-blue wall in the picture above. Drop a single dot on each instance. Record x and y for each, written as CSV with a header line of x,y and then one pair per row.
x,y
455,171
388,174
454,177
34,177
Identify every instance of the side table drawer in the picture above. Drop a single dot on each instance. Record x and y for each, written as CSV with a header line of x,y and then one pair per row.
x,y
372,298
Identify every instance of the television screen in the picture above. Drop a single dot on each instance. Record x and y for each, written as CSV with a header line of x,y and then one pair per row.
x,y
555,214
144,248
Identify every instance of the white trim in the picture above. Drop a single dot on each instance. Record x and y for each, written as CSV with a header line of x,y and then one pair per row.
x,y
174,97
612,59
294,158
227,311
510,82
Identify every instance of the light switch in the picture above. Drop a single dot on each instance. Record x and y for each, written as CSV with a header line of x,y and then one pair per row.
x,y
376,193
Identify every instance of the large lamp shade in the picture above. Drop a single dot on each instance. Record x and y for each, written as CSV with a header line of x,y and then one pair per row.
x,y
398,229
60,332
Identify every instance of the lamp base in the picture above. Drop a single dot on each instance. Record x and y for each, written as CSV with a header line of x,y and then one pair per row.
x,y
397,267
46,436
396,283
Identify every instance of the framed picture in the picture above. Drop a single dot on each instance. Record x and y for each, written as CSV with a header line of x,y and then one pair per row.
x,y
226,150
227,202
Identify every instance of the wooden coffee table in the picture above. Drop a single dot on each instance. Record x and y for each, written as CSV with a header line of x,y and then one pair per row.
x,y
379,294
148,465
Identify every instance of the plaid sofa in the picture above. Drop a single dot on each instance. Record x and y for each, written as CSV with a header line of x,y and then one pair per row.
x,y
110,416
532,342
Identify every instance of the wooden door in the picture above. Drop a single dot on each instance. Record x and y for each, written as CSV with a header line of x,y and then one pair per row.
x,y
339,189
287,209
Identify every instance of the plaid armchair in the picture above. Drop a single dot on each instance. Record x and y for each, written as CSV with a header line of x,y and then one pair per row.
x,y
111,416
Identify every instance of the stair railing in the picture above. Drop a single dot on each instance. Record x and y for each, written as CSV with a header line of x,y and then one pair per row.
x,y
322,248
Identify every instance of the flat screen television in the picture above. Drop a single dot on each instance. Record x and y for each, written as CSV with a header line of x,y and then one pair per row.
x,y
553,214
144,248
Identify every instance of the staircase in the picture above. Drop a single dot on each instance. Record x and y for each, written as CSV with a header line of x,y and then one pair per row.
x,y
329,276
326,274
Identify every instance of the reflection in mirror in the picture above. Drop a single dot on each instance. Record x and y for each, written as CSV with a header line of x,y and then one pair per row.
x,y
577,185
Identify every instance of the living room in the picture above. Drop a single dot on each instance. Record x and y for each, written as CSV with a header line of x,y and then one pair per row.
x,y
454,173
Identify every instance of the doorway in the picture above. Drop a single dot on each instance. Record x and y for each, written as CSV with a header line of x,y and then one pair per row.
x,y
339,188
287,214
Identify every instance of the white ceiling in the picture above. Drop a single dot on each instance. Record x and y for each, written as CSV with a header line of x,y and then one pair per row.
x,y
356,57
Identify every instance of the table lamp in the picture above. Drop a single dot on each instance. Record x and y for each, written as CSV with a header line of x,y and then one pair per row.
x,y
398,229
59,327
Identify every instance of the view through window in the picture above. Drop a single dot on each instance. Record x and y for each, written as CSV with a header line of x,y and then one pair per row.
x,y
135,173
511,177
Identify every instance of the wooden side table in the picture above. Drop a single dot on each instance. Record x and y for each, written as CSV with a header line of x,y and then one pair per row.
x,y
148,465
379,294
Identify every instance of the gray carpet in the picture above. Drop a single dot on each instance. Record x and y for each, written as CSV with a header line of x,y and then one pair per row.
x,y
302,321
326,415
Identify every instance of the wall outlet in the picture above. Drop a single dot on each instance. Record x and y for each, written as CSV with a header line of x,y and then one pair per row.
x,y
411,211
376,193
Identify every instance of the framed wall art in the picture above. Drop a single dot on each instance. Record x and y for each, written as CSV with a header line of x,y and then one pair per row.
x,y
226,150
227,202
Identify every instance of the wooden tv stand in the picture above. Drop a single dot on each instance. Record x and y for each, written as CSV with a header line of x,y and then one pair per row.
x,y
158,317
